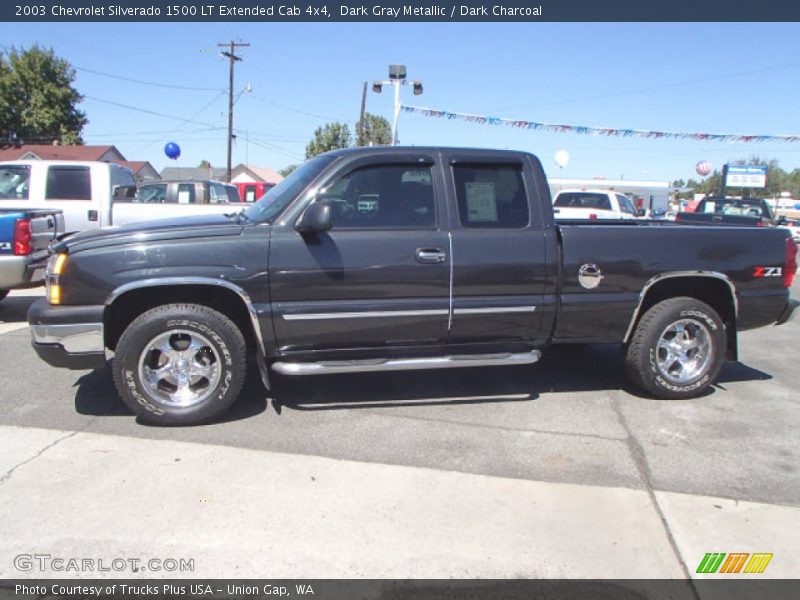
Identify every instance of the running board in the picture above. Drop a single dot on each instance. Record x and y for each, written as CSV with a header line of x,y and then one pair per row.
x,y
406,364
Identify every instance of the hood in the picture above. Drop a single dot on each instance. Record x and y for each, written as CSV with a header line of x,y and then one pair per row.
x,y
194,226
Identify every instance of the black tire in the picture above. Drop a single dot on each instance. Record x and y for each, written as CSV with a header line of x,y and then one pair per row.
x,y
3,294
645,362
222,348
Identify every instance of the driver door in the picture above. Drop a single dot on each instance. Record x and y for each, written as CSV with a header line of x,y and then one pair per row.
x,y
380,277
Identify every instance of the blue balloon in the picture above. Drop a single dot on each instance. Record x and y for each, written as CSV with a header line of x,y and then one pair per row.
x,y
797,206
172,150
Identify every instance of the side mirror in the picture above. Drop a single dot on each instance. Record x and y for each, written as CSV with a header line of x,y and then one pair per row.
x,y
640,212
781,220
316,218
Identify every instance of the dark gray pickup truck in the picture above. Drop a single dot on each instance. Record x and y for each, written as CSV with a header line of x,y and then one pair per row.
x,y
400,258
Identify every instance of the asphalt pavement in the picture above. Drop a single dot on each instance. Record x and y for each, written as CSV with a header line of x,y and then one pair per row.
x,y
559,469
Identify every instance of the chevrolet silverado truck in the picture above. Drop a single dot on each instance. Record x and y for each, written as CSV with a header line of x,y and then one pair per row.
x,y
381,259
24,238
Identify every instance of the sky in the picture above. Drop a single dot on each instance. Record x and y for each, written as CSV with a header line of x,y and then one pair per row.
x,y
686,77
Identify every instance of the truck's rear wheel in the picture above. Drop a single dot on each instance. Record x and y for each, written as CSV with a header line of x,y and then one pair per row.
x,y
677,349
3,294
180,364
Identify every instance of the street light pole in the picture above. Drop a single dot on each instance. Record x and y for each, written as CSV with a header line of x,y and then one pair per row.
x,y
396,83
397,78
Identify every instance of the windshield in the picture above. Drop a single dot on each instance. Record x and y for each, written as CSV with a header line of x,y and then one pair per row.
x,y
272,203
15,181
583,200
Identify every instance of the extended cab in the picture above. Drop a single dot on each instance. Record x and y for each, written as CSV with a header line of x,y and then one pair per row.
x,y
378,259
593,204
91,194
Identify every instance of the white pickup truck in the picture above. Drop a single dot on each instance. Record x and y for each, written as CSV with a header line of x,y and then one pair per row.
x,y
91,194
593,204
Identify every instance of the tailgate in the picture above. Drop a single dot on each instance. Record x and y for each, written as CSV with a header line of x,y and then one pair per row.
x,y
45,227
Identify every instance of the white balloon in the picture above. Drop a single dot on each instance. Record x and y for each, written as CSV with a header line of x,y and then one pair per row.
x,y
562,158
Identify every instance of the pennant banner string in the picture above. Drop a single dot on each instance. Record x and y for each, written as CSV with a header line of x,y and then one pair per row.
x,y
637,133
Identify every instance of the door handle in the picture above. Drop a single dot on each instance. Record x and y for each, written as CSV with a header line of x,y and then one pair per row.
x,y
430,255
93,215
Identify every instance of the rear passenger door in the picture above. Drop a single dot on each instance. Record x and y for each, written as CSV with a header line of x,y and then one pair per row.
x,y
500,262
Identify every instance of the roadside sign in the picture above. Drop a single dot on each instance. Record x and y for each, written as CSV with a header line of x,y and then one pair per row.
x,y
745,176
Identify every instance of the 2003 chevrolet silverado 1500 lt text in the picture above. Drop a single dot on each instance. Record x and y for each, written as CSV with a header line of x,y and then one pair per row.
x,y
400,258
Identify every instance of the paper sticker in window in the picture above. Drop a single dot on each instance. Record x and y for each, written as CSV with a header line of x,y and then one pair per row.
x,y
481,201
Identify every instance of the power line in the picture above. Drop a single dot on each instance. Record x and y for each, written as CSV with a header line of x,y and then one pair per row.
x,y
152,83
150,112
650,88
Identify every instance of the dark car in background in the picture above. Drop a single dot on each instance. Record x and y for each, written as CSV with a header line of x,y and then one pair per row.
x,y
188,192
752,212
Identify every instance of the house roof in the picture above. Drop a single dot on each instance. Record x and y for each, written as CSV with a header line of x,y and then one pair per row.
x,y
193,174
51,152
259,173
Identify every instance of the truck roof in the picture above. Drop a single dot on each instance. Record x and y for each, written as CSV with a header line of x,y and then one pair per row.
x,y
429,149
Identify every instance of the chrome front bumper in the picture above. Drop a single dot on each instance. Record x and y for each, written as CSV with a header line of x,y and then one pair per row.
x,y
75,338
69,337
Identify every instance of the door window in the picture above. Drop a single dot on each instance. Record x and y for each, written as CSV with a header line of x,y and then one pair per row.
x,y
491,196
68,183
625,205
384,196
186,193
15,181
154,194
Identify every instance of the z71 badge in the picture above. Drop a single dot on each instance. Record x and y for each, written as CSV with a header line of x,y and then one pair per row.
x,y
768,272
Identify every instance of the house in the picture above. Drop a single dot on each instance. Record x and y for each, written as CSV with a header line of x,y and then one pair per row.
x,y
59,152
252,174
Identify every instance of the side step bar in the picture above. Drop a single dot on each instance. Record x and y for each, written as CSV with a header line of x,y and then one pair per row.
x,y
406,364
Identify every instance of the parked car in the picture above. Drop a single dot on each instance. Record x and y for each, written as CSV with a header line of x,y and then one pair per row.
x,y
793,225
711,210
594,204
24,238
187,192
395,258
91,194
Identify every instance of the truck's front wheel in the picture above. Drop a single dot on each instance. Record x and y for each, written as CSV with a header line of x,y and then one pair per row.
x,y
180,364
677,349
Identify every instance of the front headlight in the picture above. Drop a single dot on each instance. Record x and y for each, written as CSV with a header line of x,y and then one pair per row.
x,y
55,266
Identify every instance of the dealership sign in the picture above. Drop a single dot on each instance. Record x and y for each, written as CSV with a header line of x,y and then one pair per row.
x,y
749,176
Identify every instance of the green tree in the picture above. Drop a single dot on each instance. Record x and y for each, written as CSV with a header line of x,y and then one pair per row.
x,y
287,170
331,136
37,100
204,164
376,131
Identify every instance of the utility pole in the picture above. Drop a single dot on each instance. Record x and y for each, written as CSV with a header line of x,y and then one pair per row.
x,y
231,55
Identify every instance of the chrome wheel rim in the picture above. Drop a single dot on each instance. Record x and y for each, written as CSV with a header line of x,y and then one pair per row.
x,y
179,368
683,352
